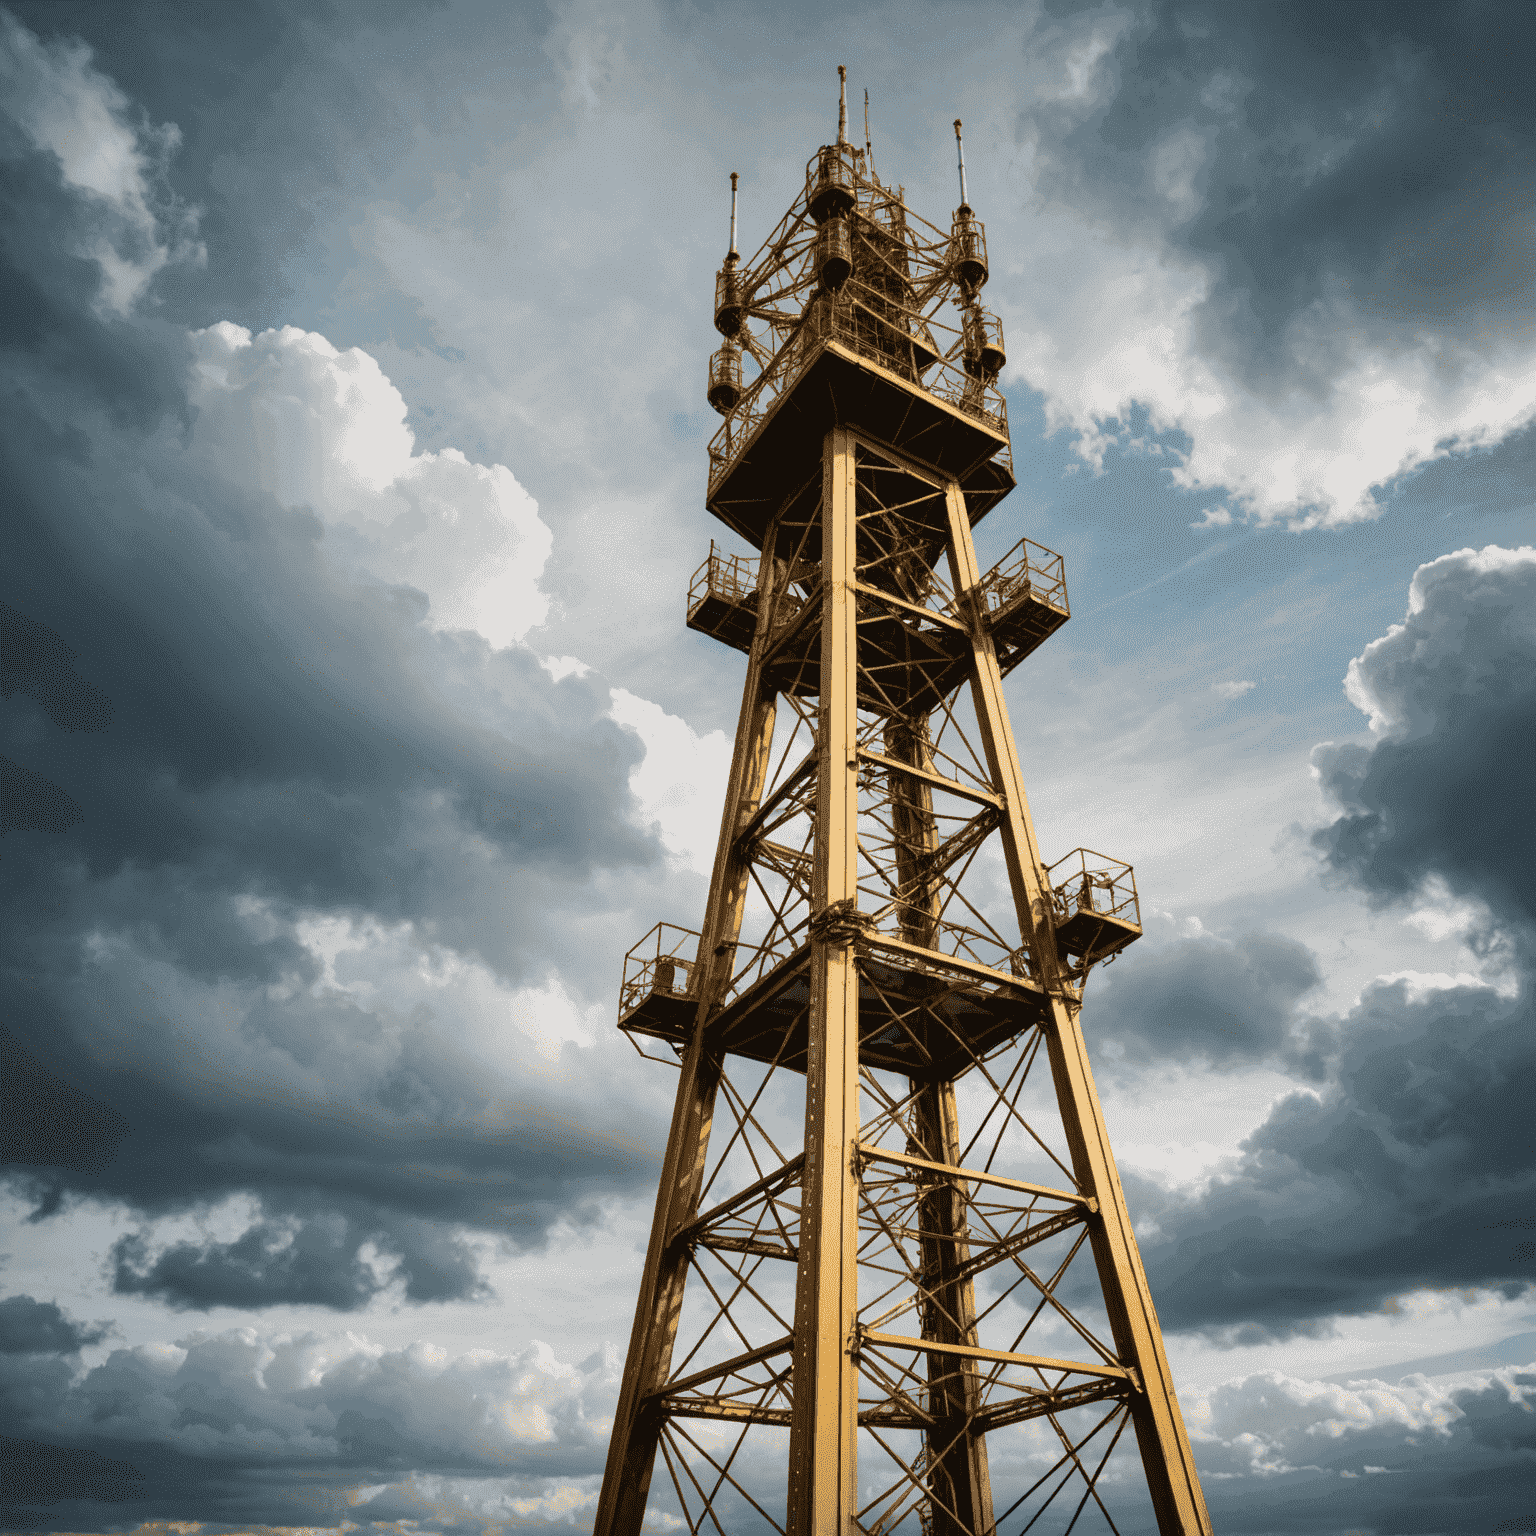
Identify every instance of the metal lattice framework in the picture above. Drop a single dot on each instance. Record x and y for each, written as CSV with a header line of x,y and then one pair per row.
x,y
892,305
890,1234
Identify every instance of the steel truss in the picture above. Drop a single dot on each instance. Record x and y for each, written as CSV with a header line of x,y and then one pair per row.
x,y
889,1224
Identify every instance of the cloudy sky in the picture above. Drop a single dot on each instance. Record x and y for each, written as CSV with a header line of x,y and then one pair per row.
x,y
353,453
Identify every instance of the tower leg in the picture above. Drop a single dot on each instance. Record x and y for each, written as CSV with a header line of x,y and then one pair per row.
x,y
825,1416
956,1453
637,1419
1160,1432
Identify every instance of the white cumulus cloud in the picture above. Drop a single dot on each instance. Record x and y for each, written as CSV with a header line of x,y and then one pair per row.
x,y
321,428
1411,680
681,781
1122,322
1270,1423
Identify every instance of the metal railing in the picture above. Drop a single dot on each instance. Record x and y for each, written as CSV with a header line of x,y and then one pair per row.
x,y
1027,568
662,962
730,577
1085,881
862,329
948,939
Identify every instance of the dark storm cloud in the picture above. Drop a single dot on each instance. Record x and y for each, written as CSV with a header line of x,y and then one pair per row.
x,y
213,731
279,124
29,1327
1446,791
1382,152
1415,1164
1404,1173
314,1262
1206,1002
35,661
49,1123
29,803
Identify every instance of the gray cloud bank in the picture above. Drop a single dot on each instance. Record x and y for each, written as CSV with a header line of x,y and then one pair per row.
x,y
232,1428
1321,200
237,1428
1381,150
235,753
1207,1002
1411,1161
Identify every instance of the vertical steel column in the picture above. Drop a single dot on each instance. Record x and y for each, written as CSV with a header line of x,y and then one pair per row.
x,y
824,1422
637,1422
957,1455
1160,1432
913,829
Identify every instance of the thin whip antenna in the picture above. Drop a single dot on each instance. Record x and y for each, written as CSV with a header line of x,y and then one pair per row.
x,y
965,202
842,105
733,256
869,148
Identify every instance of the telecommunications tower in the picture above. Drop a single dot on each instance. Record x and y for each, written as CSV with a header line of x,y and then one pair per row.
x,y
890,1234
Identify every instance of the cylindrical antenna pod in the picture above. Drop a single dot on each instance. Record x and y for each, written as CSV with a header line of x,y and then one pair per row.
x,y
965,202
968,251
725,378
830,189
730,312
834,254
985,356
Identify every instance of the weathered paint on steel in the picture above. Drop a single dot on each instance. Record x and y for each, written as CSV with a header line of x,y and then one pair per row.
x,y
822,1453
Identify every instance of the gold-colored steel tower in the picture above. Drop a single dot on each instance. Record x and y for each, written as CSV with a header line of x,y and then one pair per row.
x,y
904,1241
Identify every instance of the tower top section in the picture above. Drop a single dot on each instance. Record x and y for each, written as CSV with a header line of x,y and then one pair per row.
x,y
855,310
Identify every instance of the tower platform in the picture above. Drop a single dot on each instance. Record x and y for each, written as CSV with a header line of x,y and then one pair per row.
x,y
757,459
919,654
920,1013
1096,906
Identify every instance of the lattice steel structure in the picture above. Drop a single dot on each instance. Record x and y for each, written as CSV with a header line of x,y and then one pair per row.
x,y
890,1228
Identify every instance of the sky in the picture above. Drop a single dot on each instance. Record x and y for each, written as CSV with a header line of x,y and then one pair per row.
x,y
353,449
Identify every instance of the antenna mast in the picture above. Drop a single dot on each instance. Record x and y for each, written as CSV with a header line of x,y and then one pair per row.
x,y
733,256
842,104
869,148
965,202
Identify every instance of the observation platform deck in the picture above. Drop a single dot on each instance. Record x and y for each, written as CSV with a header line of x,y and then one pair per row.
x,y
911,657
722,599
920,1013
1095,905
772,451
